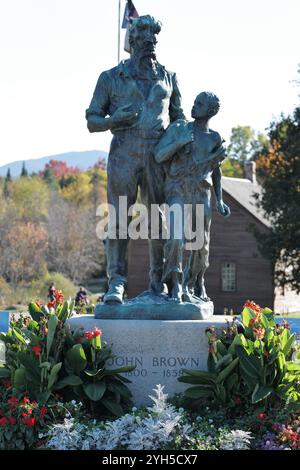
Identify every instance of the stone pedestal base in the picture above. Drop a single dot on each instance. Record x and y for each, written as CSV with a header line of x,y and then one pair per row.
x,y
148,306
160,349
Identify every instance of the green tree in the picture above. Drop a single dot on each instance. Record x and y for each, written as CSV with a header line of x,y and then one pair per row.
x,y
279,168
7,185
24,172
245,143
30,198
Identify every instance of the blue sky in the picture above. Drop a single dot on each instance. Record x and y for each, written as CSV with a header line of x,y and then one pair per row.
x,y
52,52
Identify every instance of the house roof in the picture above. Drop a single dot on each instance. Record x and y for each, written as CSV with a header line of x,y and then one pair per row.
x,y
243,190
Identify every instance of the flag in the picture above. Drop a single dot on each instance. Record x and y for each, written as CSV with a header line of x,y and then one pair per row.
x,y
130,12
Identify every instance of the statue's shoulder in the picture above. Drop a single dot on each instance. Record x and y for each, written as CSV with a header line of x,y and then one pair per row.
x,y
169,73
216,137
121,68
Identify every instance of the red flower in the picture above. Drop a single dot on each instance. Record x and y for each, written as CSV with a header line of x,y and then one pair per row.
x,y
43,411
285,324
97,332
7,383
37,350
28,412
29,422
262,416
52,304
253,306
259,333
13,401
25,400
3,421
12,420
89,335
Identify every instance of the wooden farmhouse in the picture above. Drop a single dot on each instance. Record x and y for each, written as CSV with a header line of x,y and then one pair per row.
x,y
237,271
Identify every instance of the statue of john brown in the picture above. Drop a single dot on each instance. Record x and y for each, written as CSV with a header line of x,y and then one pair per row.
x,y
136,101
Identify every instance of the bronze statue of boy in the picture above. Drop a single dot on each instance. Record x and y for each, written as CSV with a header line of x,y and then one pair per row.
x,y
191,154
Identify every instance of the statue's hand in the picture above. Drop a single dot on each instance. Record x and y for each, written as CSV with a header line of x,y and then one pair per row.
x,y
123,118
223,209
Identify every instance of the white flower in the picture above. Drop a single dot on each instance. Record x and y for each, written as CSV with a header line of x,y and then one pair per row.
x,y
236,440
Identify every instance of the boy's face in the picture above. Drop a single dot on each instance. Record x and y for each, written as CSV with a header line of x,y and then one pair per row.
x,y
200,108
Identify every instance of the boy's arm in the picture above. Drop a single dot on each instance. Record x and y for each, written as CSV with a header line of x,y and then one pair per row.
x,y
222,208
174,138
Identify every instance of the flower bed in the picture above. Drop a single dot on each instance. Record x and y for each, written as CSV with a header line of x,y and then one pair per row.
x,y
56,392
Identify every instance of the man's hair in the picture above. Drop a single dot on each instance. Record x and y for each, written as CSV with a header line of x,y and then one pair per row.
x,y
141,21
212,101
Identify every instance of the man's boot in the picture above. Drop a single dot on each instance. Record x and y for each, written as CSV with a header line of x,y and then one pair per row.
x,y
115,293
116,269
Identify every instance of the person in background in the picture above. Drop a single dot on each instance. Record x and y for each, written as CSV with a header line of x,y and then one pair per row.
x,y
51,292
81,297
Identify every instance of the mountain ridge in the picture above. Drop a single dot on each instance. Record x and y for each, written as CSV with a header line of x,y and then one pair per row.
x,y
81,159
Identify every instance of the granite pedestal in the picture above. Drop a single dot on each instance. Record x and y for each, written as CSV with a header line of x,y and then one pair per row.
x,y
160,349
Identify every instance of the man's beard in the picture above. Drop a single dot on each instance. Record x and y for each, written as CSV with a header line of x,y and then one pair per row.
x,y
141,54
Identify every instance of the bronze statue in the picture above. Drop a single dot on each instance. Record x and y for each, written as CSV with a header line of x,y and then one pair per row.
x,y
136,101
191,154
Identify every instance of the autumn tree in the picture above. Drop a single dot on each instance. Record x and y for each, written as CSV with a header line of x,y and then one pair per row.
x,y
23,249
244,145
279,167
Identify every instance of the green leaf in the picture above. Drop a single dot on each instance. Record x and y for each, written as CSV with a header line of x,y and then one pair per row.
x,y
288,344
260,393
53,375
19,336
292,366
189,379
52,323
223,362
35,312
92,373
249,363
239,340
221,349
33,372
120,370
121,389
232,380
4,373
76,358
122,378
200,373
19,379
227,371
211,364
95,391
43,397
199,392
70,380
247,315
115,408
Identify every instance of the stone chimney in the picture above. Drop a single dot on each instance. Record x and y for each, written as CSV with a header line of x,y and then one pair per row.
x,y
250,170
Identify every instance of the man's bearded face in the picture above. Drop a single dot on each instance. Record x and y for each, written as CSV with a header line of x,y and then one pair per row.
x,y
144,41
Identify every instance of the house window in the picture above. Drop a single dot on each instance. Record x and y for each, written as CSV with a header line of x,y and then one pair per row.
x,y
228,277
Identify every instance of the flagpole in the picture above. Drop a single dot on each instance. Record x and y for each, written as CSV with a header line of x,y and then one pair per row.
x,y
119,31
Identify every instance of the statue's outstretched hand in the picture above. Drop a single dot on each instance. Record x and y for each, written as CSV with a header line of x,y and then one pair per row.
x,y
223,209
123,118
